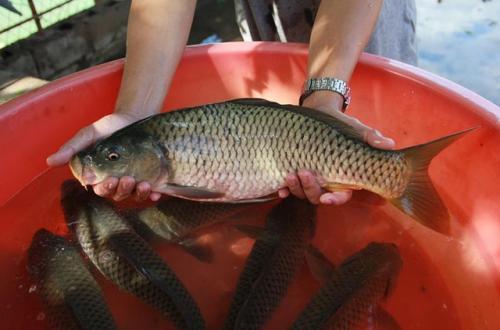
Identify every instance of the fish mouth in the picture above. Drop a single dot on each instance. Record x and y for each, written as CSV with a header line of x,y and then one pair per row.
x,y
82,173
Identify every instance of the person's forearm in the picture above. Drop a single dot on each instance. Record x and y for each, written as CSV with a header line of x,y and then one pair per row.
x,y
340,33
156,37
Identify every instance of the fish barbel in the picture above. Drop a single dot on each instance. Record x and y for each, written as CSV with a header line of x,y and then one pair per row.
x,y
125,258
354,290
242,150
71,295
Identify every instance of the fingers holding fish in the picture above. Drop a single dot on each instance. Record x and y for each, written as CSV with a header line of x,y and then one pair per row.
x,y
142,191
336,198
107,187
305,185
294,186
125,187
310,185
370,135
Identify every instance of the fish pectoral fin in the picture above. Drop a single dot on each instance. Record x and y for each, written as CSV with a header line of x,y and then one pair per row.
x,y
251,231
319,265
199,251
334,186
190,192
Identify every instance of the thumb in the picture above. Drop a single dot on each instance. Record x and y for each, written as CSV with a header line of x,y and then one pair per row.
x,y
80,141
371,136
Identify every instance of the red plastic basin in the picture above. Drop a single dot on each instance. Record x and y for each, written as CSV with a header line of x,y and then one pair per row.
x,y
445,282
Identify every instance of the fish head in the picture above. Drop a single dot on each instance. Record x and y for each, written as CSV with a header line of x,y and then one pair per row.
x,y
120,155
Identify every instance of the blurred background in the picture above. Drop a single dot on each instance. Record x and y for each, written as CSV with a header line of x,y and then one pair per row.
x,y
46,39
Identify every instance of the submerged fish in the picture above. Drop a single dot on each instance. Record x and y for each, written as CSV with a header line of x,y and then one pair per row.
x,y
72,297
242,150
174,219
354,290
177,220
125,258
275,259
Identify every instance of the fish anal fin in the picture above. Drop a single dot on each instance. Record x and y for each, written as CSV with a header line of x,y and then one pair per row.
x,y
321,268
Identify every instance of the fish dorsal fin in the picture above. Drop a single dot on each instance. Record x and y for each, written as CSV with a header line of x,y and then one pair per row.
x,y
335,123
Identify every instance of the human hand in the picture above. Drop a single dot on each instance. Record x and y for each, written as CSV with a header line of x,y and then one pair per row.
x,y
117,189
304,183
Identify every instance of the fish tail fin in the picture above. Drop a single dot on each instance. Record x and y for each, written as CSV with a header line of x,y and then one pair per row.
x,y
420,200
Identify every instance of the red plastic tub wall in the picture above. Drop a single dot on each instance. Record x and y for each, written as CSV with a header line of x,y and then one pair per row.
x,y
403,102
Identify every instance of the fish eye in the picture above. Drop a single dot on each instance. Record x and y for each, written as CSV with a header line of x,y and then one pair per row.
x,y
113,156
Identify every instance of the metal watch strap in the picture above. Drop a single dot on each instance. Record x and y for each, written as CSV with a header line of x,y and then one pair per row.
x,y
327,84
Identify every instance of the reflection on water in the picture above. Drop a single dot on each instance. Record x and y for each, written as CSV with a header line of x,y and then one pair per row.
x,y
460,40
340,232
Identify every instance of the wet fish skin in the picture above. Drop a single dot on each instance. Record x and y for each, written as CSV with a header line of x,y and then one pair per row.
x,y
293,222
125,258
354,290
243,149
71,295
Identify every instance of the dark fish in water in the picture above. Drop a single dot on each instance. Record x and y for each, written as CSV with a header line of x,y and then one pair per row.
x,y
272,264
72,297
243,149
354,290
125,258
257,260
175,220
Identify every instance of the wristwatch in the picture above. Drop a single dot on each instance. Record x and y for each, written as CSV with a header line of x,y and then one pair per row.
x,y
327,84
